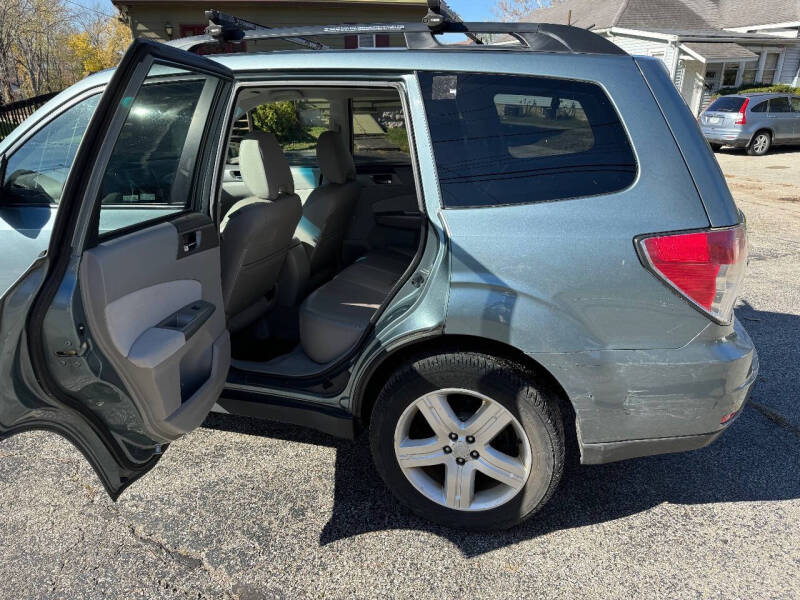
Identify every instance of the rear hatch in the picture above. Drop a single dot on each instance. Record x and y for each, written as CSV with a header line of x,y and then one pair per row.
x,y
723,112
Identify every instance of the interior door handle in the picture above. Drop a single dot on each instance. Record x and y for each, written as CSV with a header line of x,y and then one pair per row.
x,y
190,241
73,352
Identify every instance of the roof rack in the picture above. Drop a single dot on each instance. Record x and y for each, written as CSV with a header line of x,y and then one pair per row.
x,y
536,37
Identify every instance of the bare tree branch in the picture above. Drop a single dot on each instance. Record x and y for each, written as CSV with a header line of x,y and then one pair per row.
x,y
517,10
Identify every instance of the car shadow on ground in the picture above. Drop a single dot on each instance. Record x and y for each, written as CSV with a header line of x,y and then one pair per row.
x,y
782,149
756,460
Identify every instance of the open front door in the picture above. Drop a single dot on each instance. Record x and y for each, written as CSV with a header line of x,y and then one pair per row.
x,y
117,339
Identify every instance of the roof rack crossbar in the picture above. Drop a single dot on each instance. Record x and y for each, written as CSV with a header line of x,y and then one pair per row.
x,y
538,37
228,28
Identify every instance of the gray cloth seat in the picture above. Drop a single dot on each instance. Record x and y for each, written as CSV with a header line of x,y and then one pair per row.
x,y
256,231
334,316
327,211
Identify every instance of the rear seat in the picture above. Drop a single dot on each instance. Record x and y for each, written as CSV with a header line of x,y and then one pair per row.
x,y
335,315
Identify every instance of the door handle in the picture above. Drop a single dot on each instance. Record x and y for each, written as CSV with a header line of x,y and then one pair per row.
x,y
190,242
73,352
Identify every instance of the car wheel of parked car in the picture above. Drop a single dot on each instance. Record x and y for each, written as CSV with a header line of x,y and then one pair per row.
x,y
468,440
760,144
716,147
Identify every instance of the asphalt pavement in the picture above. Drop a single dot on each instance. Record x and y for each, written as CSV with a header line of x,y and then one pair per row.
x,y
249,509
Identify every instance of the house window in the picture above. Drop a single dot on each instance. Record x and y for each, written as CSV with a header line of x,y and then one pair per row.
x,y
750,72
379,40
770,67
729,75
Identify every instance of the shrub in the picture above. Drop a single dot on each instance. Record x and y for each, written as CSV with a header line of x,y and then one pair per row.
x,y
780,88
280,119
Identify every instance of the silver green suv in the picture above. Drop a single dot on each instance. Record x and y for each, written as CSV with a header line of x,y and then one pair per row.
x,y
478,253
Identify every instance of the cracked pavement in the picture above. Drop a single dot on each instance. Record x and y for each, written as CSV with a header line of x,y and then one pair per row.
x,y
249,509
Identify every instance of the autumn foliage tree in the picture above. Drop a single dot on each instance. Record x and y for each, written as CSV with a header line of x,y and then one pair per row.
x,y
101,45
46,45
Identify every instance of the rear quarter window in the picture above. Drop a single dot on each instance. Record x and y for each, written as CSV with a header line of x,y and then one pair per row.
x,y
501,139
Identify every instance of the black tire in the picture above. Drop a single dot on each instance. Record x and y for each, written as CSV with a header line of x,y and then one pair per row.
x,y
760,144
536,410
716,147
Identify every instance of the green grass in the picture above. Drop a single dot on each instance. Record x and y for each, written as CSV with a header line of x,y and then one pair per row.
x,y
399,137
312,135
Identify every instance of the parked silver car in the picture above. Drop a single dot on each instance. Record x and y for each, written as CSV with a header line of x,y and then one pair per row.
x,y
752,121
502,253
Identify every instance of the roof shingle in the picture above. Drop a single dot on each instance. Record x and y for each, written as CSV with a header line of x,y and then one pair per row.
x,y
678,14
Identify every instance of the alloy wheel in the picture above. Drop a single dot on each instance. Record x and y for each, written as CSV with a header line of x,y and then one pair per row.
x,y
761,143
462,450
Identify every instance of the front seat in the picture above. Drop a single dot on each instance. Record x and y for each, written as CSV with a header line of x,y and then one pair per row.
x,y
256,231
327,210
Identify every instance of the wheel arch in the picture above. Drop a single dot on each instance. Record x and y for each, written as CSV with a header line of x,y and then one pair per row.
x,y
759,130
379,372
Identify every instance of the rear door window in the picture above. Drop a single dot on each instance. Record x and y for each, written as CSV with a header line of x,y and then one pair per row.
x,y
149,172
796,105
501,139
779,105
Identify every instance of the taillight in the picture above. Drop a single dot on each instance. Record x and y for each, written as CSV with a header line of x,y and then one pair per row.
x,y
706,267
742,118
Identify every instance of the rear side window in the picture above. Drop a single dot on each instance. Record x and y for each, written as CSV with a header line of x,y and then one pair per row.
x,y
779,105
760,107
727,104
501,139
796,105
149,172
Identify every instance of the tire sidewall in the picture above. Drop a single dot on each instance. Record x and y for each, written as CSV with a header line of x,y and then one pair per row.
x,y
499,382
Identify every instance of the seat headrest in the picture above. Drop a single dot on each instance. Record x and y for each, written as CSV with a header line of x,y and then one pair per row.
x,y
265,169
334,158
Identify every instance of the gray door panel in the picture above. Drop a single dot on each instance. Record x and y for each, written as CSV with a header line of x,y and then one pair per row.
x,y
163,327
387,213
118,340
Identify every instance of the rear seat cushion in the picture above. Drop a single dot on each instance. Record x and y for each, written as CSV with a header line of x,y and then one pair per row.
x,y
334,316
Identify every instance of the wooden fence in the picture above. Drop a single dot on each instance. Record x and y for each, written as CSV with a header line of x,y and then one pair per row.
x,y
15,113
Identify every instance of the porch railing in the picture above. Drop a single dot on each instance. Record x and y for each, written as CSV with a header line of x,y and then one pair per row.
x,y
15,113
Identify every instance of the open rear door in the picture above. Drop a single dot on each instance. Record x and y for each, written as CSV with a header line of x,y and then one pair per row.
x,y
117,338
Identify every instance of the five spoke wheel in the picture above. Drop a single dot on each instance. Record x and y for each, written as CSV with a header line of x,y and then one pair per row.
x,y
462,449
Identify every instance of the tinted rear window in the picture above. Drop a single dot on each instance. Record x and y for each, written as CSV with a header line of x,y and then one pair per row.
x,y
726,104
501,139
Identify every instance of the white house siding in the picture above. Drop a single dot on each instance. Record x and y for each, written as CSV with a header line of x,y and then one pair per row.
x,y
640,46
791,63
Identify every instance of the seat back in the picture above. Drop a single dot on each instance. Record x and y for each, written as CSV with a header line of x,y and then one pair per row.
x,y
257,230
328,209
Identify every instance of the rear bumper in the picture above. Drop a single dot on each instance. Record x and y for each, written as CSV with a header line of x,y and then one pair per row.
x,y
631,403
726,137
595,454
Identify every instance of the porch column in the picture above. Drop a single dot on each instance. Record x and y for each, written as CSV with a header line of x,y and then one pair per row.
x,y
676,54
779,66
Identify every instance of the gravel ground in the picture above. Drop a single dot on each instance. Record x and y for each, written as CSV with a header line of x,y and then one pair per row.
x,y
248,509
